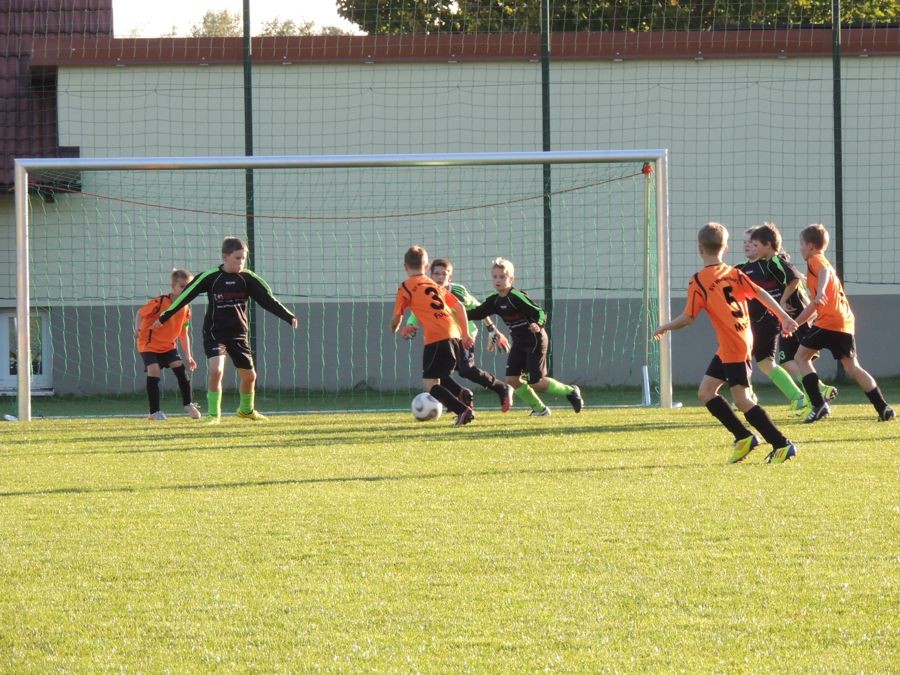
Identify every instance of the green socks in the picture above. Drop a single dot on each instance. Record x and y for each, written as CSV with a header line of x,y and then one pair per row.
x,y
786,384
529,396
214,403
558,388
247,401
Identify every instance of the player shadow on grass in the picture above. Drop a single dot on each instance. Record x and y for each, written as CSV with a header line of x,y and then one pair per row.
x,y
346,479
185,439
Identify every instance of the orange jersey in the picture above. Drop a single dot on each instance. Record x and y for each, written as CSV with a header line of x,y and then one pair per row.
x,y
429,303
835,314
162,339
723,292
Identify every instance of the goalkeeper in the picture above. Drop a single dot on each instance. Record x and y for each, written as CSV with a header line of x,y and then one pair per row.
x,y
526,365
441,272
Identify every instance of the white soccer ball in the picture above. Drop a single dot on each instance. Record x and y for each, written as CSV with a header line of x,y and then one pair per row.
x,y
426,407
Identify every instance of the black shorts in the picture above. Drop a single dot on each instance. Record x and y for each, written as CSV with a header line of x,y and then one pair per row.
x,y
787,346
765,337
733,374
440,358
840,344
236,348
528,356
162,359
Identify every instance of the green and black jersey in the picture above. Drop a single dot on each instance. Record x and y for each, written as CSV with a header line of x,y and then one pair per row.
x,y
773,276
228,292
515,308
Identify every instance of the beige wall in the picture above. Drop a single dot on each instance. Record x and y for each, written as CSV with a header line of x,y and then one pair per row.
x,y
748,140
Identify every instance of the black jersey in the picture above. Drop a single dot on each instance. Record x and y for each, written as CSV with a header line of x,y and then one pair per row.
x,y
228,292
773,276
516,309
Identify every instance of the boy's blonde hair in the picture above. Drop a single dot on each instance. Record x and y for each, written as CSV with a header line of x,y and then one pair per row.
x,y
414,258
816,235
713,237
180,274
504,265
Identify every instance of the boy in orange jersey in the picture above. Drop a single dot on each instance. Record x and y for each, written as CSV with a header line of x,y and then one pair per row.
x,y
723,292
158,346
445,336
832,329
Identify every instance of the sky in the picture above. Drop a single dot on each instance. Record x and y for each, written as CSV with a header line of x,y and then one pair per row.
x,y
157,17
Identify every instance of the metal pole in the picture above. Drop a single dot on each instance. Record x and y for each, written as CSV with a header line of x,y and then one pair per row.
x,y
548,186
248,151
838,144
663,278
23,298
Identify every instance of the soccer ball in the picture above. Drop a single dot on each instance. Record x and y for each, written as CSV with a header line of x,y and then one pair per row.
x,y
426,407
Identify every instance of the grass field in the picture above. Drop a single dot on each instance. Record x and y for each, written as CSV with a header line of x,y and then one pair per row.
x,y
616,540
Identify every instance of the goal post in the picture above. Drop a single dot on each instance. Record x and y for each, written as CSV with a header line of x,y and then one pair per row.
x,y
137,217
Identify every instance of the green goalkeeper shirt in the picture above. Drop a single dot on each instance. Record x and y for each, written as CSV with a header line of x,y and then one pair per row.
x,y
468,301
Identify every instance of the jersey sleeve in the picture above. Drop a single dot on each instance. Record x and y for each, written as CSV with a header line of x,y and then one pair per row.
x,y
401,302
534,313
261,292
468,300
195,288
482,311
696,298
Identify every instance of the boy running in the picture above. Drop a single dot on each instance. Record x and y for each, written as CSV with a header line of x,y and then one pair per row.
x,y
430,303
770,268
723,292
441,272
159,347
526,365
833,329
225,328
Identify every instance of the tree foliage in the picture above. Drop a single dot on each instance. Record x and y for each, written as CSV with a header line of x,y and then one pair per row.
x,y
223,23
219,24
512,16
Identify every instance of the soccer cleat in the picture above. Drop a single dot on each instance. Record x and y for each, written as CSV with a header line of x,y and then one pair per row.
x,y
192,410
816,414
742,448
213,419
467,396
464,417
158,416
506,398
253,415
781,455
543,412
829,393
798,405
575,399
887,415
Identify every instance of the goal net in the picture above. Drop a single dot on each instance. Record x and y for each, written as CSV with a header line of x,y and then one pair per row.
x,y
98,238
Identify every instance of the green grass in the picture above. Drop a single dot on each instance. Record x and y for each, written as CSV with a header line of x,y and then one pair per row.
x,y
614,540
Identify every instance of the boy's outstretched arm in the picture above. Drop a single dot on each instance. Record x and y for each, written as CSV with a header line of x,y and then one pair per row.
x,y
680,321
395,322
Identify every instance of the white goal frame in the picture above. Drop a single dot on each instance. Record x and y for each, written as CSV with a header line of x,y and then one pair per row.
x,y
658,157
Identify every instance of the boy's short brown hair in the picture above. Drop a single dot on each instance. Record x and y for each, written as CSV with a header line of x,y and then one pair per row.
x,y
414,258
768,233
442,262
816,235
232,244
712,238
